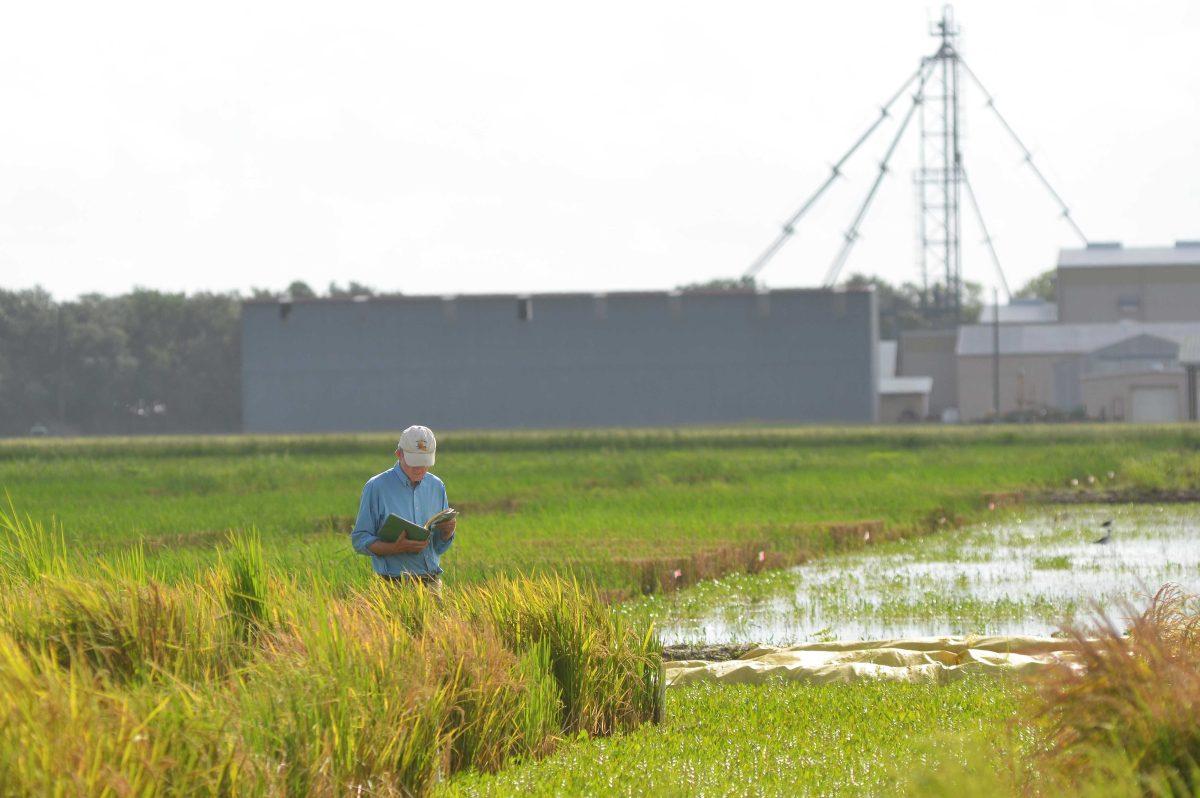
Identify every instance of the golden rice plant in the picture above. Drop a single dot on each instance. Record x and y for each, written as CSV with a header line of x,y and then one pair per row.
x,y
246,681
1136,699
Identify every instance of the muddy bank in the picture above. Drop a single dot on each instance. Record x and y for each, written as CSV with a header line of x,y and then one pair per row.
x,y
719,652
1120,496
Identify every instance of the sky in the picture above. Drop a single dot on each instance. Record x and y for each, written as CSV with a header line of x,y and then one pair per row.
x,y
454,148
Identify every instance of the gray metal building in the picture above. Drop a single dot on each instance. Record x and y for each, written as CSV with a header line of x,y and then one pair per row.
x,y
559,360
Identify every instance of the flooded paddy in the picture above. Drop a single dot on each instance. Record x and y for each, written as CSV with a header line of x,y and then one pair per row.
x,y
1023,574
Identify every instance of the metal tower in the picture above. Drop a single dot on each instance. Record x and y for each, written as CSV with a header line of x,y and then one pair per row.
x,y
939,176
941,179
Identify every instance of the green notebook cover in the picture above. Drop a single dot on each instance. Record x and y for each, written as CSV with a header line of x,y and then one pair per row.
x,y
394,525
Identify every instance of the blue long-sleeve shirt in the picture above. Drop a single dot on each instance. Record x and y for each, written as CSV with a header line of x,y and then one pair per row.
x,y
393,492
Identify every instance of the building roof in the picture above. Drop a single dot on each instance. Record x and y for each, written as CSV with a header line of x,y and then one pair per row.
x,y
975,340
1110,255
1021,311
400,298
903,385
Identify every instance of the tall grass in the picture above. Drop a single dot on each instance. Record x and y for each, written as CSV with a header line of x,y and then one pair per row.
x,y
1123,719
249,682
1137,698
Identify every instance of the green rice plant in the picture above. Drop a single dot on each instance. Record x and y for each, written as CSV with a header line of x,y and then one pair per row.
x,y
245,583
775,739
128,565
29,548
703,502
540,722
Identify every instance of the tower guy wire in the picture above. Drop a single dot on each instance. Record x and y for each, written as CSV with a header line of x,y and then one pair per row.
x,y
987,237
789,227
940,178
851,234
991,103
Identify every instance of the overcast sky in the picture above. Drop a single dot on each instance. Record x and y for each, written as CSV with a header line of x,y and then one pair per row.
x,y
478,147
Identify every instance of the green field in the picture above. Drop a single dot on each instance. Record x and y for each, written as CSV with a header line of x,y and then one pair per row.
x,y
623,509
777,739
169,651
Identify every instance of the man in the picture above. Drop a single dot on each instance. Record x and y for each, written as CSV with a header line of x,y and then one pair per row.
x,y
411,492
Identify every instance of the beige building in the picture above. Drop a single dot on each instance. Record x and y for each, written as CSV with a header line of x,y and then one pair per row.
x,y
929,354
1143,398
1109,348
1109,282
1189,359
1045,366
901,399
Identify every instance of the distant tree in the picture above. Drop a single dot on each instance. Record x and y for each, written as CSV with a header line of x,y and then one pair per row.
x,y
1040,287
300,290
187,351
141,362
352,289
743,283
906,307
31,343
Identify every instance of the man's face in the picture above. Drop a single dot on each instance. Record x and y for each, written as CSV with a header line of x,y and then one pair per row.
x,y
415,473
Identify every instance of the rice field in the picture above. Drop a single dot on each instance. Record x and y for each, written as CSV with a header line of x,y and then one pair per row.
x,y
1025,572
625,510
185,616
248,681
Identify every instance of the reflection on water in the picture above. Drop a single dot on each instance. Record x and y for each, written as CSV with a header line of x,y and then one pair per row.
x,y
1022,576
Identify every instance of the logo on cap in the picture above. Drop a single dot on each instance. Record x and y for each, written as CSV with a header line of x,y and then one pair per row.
x,y
422,446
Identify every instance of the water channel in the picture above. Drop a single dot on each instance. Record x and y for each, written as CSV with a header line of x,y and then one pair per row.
x,y
1025,573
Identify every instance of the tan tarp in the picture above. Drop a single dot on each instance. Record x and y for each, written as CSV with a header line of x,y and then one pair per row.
x,y
922,659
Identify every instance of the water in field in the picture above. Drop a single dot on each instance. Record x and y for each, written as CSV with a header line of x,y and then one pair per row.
x,y
1021,575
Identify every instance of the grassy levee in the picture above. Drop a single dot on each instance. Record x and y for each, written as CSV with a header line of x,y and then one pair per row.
x,y
626,510
246,681
780,739
1123,724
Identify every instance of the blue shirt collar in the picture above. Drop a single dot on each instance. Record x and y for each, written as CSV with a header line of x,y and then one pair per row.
x,y
404,480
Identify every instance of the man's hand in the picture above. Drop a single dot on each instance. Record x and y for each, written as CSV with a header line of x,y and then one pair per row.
x,y
446,528
402,545
405,546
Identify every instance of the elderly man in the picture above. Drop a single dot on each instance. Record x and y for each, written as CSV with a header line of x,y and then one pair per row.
x,y
411,492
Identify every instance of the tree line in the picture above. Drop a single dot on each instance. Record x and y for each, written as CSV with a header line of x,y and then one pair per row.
x,y
142,362
907,306
157,362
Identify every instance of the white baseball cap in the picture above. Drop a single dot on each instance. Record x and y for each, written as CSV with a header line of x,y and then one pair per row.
x,y
419,445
